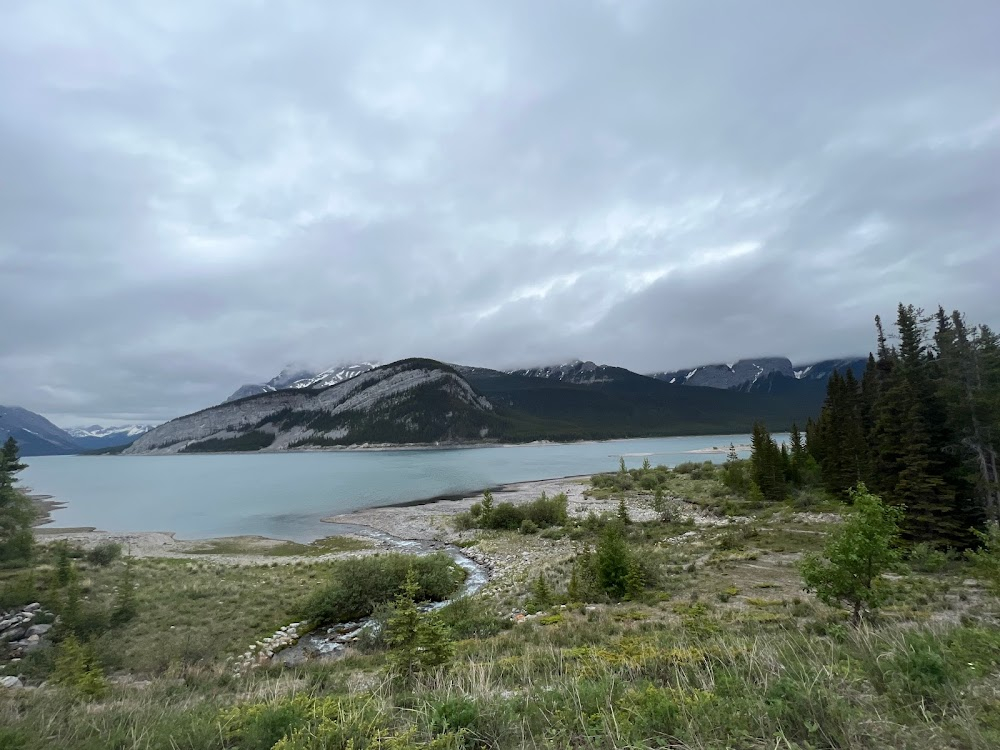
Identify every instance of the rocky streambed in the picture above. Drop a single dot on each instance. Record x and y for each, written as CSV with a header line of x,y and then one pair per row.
x,y
290,645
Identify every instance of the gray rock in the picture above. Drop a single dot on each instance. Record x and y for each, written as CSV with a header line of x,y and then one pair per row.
x,y
13,634
33,607
11,682
39,630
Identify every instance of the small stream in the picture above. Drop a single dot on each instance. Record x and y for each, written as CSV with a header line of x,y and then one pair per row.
x,y
328,642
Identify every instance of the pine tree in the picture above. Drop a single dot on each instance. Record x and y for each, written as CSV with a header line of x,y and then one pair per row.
x,y
844,452
417,641
797,464
766,466
968,366
17,514
125,607
613,561
541,594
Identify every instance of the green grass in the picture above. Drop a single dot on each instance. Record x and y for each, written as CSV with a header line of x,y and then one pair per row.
x,y
724,650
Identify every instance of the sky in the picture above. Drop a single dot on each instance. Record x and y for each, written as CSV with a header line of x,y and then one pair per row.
x,y
193,195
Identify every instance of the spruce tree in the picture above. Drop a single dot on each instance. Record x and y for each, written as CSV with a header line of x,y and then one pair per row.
x,y
767,469
968,369
17,514
797,469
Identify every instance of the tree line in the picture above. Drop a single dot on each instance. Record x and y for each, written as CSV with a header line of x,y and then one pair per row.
x,y
920,428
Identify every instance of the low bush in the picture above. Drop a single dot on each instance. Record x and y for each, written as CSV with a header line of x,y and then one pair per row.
x,y
104,554
925,558
527,518
357,586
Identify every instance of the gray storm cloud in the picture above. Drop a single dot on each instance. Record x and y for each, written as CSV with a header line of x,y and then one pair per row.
x,y
193,195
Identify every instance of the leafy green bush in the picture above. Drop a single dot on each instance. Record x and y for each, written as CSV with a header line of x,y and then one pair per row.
x,y
541,513
104,554
986,559
528,527
357,586
856,555
469,617
925,558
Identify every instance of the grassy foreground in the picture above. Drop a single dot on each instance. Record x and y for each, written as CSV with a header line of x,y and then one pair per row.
x,y
720,648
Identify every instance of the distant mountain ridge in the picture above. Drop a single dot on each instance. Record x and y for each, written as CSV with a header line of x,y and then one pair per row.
x,y
420,401
35,435
94,437
290,377
760,373
410,401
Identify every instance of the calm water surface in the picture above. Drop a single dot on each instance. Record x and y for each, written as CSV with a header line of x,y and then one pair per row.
x,y
285,495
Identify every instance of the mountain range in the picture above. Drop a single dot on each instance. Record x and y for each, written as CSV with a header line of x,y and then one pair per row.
x,y
37,436
421,401
424,401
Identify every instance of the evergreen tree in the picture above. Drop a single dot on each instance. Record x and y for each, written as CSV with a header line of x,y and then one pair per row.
x,y
843,456
125,607
613,561
17,514
541,594
623,515
767,469
417,640
968,365
797,466
734,473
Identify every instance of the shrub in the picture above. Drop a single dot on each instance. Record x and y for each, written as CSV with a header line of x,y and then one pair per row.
x,y
357,586
104,554
850,570
469,617
528,527
543,512
77,669
925,558
986,559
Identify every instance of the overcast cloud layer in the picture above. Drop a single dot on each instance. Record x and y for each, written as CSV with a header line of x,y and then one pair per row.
x,y
194,194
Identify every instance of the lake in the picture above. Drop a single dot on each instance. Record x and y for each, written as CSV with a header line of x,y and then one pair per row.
x,y
285,495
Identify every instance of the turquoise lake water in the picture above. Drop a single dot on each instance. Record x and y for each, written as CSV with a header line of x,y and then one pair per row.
x,y
285,495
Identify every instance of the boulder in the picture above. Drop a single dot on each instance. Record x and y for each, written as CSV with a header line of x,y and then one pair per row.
x,y
39,630
10,682
33,607
13,634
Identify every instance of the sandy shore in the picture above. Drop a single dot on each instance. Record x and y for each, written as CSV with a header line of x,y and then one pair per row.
x,y
165,544
720,449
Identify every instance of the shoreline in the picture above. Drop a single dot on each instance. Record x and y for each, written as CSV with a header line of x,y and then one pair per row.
x,y
390,447
425,521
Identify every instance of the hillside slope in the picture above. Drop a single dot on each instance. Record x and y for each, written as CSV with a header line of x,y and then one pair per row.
x,y
618,403
35,435
411,401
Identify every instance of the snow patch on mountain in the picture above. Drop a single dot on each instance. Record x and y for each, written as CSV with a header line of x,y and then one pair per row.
x,y
97,431
297,377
